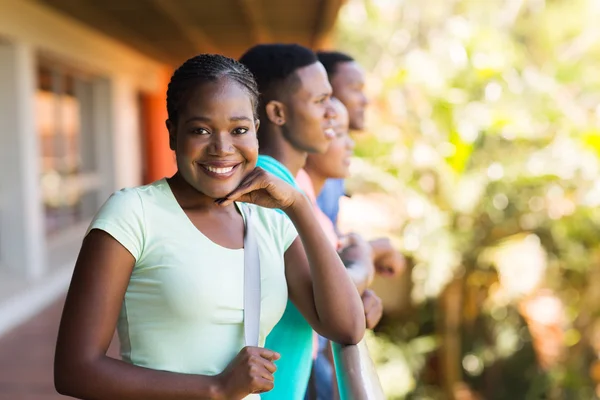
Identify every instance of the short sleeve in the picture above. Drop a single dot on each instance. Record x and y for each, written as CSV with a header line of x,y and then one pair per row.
x,y
122,217
288,232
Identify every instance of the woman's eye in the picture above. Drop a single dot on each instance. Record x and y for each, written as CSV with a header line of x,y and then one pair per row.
x,y
200,131
240,131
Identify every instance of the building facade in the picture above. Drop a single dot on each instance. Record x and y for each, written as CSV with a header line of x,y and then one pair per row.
x,y
82,111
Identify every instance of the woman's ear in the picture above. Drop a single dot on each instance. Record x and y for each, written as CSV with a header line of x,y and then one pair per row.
x,y
172,134
256,124
276,112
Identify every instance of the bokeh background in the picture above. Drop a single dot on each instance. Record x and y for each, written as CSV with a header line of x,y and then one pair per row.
x,y
481,158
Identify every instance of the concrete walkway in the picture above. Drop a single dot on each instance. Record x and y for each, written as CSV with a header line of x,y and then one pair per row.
x,y
26,358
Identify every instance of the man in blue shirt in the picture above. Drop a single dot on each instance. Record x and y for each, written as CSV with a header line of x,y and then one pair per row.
x,y
296,118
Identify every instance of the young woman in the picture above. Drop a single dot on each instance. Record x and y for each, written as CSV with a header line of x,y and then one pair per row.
x,y
164,262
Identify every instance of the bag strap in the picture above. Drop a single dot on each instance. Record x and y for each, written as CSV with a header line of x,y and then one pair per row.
x,y
251,281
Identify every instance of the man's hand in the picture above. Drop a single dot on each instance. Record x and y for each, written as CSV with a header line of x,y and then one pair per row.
x,y
373,308
357,256
388,261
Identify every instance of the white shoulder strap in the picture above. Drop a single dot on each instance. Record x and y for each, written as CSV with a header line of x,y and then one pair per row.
x,y
251,281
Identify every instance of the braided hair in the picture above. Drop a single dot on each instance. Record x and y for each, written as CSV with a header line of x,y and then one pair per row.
x,y
207,68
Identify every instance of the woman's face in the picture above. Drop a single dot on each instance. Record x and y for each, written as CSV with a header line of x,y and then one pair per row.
x,y
335,162
214,137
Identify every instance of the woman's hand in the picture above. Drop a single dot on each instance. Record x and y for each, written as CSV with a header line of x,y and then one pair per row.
x,y
251,371
263,189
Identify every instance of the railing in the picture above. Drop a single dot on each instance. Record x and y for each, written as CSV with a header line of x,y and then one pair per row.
x,y
355,372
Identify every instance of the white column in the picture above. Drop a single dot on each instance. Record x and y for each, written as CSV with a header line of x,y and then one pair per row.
x,y
126,134
22,237
104,137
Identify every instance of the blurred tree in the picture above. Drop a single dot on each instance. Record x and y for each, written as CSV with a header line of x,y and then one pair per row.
x,y
485,131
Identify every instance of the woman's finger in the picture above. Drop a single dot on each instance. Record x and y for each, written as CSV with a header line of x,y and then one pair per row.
x,y
269,354
251,184
239,193
248,179
266,373
264,385
269,366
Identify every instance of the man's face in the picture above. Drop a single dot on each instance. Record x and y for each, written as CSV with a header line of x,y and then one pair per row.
x,y
310,114
348,84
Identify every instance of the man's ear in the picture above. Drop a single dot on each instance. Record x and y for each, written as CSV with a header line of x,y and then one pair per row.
x,y
276,112
172,134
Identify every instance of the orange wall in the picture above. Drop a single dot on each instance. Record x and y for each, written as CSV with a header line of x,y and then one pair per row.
x,y
159,160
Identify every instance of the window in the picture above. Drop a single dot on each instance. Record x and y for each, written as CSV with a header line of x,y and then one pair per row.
x,y
68,150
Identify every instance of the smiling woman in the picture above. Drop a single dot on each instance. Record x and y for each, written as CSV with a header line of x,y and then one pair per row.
x,y
164,263
214,144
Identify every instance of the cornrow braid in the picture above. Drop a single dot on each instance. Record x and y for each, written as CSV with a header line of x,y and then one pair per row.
x,y
207,68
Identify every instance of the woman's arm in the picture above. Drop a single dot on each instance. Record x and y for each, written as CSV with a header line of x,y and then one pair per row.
x,y
318,282
317,279
81,367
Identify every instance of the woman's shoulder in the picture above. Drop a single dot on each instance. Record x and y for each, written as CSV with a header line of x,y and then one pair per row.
x,y
130,201
138,194
142,190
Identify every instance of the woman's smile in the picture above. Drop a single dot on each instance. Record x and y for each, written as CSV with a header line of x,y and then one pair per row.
x,y
219,169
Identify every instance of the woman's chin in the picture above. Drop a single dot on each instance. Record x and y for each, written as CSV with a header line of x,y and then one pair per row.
x,y
219,193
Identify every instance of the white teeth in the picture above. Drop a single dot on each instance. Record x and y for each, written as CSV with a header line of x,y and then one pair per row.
x,y
218,170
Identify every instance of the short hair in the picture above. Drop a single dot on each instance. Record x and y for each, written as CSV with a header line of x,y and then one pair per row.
x,y
207,68
331,59
274,66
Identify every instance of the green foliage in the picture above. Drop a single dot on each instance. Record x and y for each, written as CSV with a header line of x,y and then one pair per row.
x,y
486,123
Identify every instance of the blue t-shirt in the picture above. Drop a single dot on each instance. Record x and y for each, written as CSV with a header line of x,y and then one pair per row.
x,y
292,337
329,198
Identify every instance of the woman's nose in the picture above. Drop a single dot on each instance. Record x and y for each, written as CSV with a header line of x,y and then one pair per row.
x,y
364,100
330,112
221,144
350,143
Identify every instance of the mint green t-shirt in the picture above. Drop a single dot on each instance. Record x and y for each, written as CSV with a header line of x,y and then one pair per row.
x,y
292,337
183,309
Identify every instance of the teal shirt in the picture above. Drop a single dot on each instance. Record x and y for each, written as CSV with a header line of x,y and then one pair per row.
x,y
292,337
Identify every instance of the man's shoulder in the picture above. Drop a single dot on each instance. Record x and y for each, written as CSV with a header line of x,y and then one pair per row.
x,y
276,168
